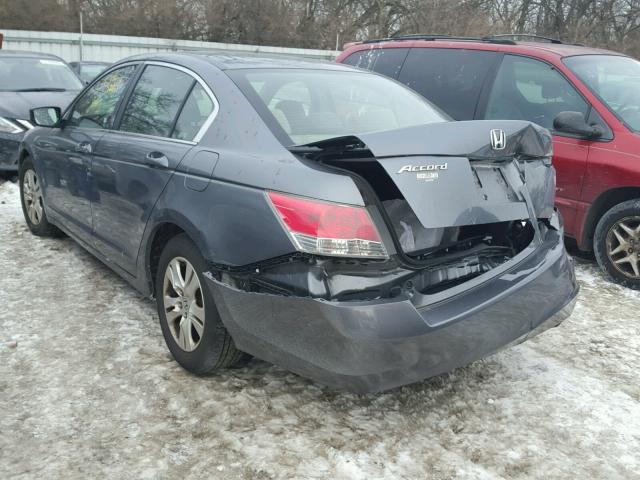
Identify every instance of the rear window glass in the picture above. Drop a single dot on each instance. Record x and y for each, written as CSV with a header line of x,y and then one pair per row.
x,y
450,78
305,106
91,70
386,61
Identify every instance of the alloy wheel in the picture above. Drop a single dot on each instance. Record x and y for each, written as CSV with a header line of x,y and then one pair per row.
x,y
32,195
183,303
623,246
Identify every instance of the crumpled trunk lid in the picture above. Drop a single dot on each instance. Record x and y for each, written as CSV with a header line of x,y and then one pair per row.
x,y
451,176
457,192
434,181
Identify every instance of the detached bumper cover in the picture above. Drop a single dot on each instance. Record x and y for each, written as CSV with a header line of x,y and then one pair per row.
x,y
376,345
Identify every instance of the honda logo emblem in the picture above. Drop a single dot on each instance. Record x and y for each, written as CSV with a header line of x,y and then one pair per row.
x,y
498,139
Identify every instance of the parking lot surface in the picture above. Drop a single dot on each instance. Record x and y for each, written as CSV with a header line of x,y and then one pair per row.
x,y
89,390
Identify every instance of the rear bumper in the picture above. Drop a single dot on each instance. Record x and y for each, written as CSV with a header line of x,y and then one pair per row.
x,y
375,345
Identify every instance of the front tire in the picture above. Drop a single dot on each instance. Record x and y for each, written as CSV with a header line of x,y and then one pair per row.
x,y
191,325
617,243
32,200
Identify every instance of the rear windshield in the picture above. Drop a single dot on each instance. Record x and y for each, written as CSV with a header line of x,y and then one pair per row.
x,y
89,71
33,74
305,106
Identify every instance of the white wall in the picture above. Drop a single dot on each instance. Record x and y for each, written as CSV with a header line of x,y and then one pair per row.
x,y
110,48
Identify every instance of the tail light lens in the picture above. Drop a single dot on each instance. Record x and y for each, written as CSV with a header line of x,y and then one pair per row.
x,y
326,228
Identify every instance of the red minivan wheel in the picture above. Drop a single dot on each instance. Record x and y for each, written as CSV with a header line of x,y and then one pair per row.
x,y
617,243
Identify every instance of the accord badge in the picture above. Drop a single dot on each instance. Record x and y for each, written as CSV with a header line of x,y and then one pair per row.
x,y
422,168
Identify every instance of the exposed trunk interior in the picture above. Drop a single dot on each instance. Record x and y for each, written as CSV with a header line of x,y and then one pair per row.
x,y
420,243
475,252
442,257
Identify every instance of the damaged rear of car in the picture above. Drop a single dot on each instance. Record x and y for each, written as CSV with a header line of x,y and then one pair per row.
x,y
455,251
322,218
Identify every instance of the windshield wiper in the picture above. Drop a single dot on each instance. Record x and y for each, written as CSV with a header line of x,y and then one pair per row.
x,y
41,89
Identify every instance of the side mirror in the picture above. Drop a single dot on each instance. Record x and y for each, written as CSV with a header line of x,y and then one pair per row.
x,y
575,124
45,116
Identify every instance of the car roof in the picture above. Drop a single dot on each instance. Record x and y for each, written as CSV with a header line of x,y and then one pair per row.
x,y
565,49
234,62
225,62
89,62
26,54
540,49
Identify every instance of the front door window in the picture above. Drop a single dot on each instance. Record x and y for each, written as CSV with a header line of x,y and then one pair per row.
x,y
527,89
97,106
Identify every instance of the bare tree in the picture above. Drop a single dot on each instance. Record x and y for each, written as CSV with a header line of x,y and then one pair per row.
x,y
612,24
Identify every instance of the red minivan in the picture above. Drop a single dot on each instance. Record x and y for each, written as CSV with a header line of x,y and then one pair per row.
x,y
588,98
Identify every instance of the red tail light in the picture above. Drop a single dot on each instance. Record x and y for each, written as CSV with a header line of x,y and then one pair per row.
x,y
326,228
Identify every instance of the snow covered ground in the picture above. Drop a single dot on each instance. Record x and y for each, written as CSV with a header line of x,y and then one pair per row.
x,y
88,390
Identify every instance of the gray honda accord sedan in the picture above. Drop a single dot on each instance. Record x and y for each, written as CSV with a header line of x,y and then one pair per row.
x,y
323,218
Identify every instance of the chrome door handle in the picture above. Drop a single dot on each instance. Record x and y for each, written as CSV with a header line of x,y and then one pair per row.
x,y
156,160
84,147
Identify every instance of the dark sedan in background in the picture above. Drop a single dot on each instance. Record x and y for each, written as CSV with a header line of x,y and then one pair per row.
x,y
87,71
323,218
29,80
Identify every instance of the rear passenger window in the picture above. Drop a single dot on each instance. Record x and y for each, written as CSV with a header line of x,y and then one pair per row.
x,y
527,89
451,78
386,61
156,100
195,112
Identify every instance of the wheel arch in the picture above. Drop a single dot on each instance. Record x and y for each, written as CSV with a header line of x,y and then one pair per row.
x,y
161,233
605,201
22,154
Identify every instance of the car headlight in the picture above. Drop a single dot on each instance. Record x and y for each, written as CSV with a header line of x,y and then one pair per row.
x,y
25,124
9,126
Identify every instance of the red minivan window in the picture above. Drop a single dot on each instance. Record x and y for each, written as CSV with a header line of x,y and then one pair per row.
x,y
528,89
615,80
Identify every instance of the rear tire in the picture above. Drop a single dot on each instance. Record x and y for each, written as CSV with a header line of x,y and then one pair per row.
x,y
191,325
617,244
32,200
